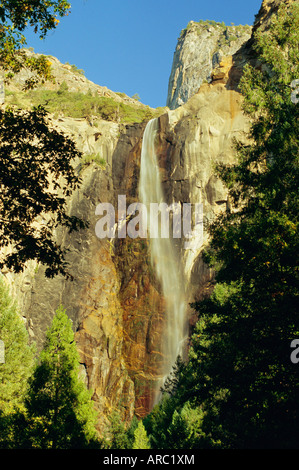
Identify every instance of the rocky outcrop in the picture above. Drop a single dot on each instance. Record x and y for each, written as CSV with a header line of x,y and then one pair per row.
x,y
268,8
114,301
200,49
72,77
194,138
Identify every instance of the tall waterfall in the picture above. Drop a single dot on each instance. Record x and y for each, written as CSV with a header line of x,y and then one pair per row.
x,y
163,256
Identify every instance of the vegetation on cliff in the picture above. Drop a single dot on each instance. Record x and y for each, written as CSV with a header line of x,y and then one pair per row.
x,y
81,105
228,33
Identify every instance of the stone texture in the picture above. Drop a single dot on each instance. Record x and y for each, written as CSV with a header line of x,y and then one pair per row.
x,y
91,299
194,137
200,48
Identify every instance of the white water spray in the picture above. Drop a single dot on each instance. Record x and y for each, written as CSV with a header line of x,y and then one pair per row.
x,y
163,256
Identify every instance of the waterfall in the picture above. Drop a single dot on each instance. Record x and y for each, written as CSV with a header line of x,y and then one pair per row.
x,y
163,257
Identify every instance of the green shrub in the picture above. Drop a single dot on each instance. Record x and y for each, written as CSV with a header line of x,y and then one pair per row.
x,y
63,88
80,105
75,69
89,158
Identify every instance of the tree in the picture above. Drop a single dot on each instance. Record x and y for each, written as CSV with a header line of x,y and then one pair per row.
x,y
16,368
59,410
16,16
136,97
117,434
141,440
19,354
41,14
158,421
37,177
176,423
37,174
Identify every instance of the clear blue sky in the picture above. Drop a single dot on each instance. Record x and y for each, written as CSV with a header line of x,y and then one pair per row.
x,y
128,45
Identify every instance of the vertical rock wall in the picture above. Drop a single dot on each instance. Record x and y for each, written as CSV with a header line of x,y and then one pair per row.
x,y
200,49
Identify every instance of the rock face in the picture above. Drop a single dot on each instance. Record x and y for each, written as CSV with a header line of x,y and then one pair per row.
x,y
115,300
200,49
73,78
91,300
194,137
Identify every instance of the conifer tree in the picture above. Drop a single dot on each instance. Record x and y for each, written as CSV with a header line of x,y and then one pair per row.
x,y
141,440
18,354
60,411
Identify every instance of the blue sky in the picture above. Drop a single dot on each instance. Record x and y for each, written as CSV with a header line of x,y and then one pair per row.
x,y
128,45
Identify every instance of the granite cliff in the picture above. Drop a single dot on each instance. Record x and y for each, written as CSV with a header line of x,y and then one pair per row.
x,y
115,300
200,49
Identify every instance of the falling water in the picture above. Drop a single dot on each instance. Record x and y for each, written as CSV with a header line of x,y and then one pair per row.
x,y
163,257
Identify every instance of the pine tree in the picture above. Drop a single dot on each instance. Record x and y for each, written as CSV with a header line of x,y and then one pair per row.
x,y
60,411
141,440
18,354
118,435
